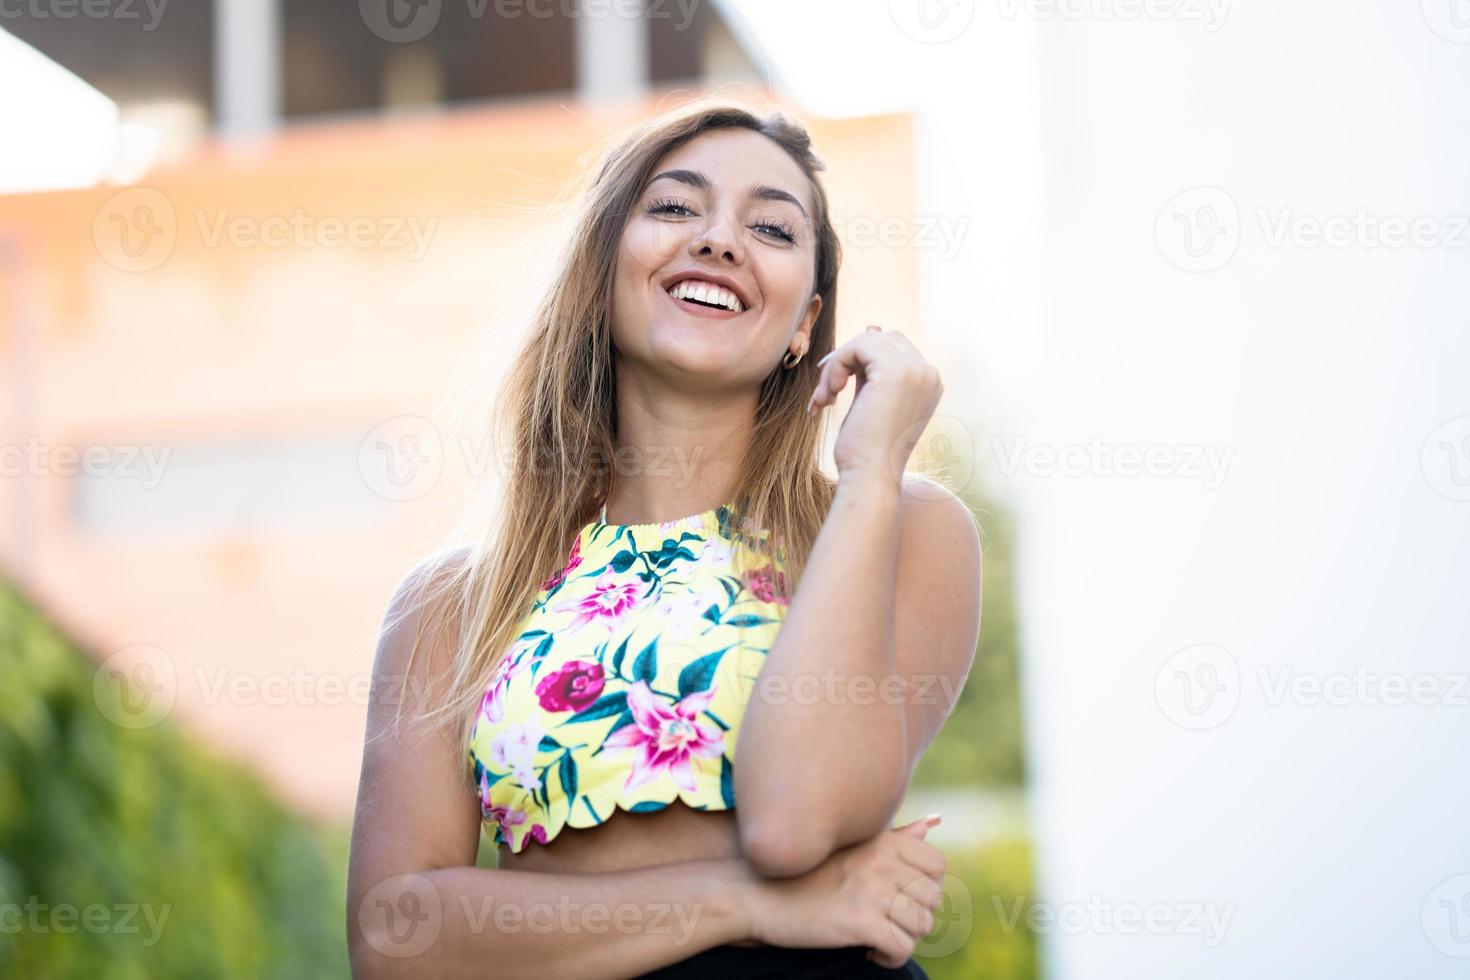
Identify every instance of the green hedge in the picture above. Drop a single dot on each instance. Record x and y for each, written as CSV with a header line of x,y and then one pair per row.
x,y
132,853
981,742
981,931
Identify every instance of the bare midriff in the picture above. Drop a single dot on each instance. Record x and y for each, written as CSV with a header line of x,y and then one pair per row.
x,y
626,841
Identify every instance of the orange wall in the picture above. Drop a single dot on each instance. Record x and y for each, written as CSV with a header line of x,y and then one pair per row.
x,y
192,343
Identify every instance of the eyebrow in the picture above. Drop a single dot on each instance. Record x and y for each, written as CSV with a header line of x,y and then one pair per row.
x,y
699,181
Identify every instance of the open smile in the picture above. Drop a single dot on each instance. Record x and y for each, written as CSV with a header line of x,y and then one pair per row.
x,y
704,298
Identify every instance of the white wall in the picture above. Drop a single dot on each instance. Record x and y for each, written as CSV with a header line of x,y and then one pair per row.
x,y
1324,838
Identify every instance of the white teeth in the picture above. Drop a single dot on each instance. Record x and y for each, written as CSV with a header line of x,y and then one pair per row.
x,y
705,292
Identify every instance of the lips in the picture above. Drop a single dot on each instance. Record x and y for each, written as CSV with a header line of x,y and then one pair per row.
x,y
712,289
698,309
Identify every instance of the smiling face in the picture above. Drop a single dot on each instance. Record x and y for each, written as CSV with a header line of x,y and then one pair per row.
x,y
715,271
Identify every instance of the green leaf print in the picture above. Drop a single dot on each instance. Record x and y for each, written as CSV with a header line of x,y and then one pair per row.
x,y
568,773
547,744
645,668
669,553
699,674
727,782
747,620
608,704
539,656
617,661
647,806
626,718
622,561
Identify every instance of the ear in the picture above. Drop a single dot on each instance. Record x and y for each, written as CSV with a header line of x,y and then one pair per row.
x,y
808,320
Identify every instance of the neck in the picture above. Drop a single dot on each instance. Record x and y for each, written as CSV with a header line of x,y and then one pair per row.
x,y
678,452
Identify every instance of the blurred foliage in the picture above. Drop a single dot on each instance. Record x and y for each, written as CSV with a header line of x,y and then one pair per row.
x,y
982,928
120,824
981,742
130,854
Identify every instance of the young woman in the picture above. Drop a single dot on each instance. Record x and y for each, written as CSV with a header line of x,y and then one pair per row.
x,y
672,575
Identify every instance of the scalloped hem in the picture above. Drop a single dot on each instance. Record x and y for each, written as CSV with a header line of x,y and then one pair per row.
x,y
587,823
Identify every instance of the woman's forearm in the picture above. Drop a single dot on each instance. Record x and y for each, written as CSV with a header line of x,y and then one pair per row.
x,y
468,922
821,759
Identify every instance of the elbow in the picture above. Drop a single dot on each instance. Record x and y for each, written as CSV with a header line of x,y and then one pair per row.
x,y
367,963
775,851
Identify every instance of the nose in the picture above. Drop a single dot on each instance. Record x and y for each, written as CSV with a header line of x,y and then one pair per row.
x,y
719,239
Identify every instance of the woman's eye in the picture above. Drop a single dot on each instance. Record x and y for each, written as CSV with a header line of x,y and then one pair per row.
x,y
770,228
668,206
775,229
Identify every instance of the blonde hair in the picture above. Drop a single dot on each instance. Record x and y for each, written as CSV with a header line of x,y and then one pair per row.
x,y
557,417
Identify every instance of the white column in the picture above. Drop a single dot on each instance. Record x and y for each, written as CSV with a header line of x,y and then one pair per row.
x,y
612,52
247,66
1245,664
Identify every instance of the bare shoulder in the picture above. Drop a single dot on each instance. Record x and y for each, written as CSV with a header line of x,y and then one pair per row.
x,y
937,524
423,607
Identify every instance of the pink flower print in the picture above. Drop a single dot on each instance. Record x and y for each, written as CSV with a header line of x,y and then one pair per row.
x,y
574,686
665,736
492,705
503,816
682,612
763,584
537,833
506,818
515,749
607,602
573,560
716,554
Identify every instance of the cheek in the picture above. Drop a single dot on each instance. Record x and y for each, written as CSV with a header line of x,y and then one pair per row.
x,y
786,282
648,245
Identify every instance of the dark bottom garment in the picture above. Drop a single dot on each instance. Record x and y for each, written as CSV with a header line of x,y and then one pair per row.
x,y
779,963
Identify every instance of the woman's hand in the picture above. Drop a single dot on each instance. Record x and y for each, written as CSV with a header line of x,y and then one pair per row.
x,y
880,893
897,391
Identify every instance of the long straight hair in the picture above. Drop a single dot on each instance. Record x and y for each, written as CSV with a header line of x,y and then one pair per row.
x,y
557,419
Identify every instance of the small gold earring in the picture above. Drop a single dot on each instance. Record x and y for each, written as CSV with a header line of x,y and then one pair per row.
x,y
789,362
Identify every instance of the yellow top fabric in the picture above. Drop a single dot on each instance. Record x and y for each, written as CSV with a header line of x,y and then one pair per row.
x,y
629,678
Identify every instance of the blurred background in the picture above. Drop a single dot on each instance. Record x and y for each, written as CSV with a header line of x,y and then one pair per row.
x,y
1195,272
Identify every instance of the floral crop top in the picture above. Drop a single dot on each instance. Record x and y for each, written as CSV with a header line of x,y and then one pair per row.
x,y
628,680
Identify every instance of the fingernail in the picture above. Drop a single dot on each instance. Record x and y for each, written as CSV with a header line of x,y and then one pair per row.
x,y
933,818
826,357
